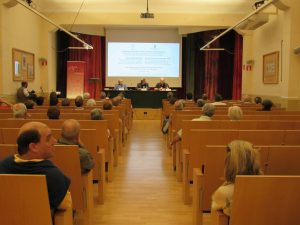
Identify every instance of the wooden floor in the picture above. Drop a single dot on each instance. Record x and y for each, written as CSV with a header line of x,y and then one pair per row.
x,y
144,190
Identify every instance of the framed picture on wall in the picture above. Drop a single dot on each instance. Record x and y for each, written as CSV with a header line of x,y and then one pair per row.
x,y
271,68
22,65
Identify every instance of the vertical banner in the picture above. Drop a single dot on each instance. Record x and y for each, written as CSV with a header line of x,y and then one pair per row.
x,y
75,78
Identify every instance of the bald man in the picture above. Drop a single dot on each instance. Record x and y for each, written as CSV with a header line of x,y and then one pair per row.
x,y
35,148
120,86
162,84
70,136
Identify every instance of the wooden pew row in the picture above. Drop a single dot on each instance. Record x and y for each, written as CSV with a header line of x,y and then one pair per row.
x,y
93,144
225,124
88,136
196,140
254,201
207,177
35,204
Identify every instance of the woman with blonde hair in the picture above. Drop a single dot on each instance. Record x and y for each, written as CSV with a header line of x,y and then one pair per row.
x,y
241,159
235,113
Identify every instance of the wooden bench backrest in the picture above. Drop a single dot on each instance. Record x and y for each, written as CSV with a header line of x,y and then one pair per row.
x,y
7,149
66,158
262,200
21,203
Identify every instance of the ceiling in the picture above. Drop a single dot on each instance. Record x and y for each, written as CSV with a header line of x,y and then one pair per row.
x,y
155,6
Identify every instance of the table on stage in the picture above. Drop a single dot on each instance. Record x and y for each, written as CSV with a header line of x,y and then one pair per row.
x,y
142,99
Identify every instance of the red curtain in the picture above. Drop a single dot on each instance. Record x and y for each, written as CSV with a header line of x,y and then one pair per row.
x,y
94,62
237,70
211,67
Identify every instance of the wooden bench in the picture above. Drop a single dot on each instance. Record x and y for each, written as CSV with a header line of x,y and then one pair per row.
x,y
22,204
263,200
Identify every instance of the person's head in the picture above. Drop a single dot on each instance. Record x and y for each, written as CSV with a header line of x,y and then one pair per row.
x,y
35,141
115,101
86,95
97,114
91,102
24,84
102,95
204,97
39,100
241,159
189,96
218,98
29,104
65,102
120,82
247,99
19,110
70,130
53,100
53,113
235,113
200,102
162,80
170,95
178,105
267,105
172,100
208,110
143,81
257,100
107,105
79,101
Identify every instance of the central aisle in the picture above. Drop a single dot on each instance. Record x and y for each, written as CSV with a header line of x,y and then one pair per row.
x,y
144,190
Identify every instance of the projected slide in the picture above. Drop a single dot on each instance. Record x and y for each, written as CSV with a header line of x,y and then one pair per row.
x,y
143,59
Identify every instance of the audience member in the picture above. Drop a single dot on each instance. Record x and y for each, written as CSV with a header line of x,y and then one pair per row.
x,y
102,95
107,105
170,95
189,96
200,102
120,86
241,159
39,100
235,113
65,102
35,147
204,97
162,84
91,102
22,92
218,100
86,95
79,102
97,114
116,101
172,100
247,99
178,105
257,100
20,111
70,135
53,100
53,113
267,105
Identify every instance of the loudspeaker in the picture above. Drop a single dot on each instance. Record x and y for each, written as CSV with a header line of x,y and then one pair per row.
x,y
297,50
10,3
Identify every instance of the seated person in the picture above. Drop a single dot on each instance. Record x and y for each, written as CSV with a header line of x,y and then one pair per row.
x,y
65,102
91,102
35,148
20,111
257,100
53,100
218,100
29,104
120,86
22,93
107,105
70,135
162,84
241,159
266,105
143,84
39,100
235,113
97,114
79,102
53,113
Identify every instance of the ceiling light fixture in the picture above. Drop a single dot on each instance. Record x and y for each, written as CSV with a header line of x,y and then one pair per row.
x,y
85,45
147,15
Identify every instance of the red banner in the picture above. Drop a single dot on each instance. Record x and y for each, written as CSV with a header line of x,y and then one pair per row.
x,y
75,78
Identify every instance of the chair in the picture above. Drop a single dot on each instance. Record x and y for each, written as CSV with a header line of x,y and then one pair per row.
x,y
22,204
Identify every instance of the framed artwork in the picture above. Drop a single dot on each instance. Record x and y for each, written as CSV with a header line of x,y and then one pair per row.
x,y
22,65
271,68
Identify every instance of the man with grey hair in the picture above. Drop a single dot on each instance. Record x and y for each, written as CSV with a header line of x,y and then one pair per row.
x,y
97,114
208,111
86,95
70,136
20,111
91,102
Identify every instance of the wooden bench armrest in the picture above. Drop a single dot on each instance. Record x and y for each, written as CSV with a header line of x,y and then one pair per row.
x,y
87,180
219,218
101,178
64,216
